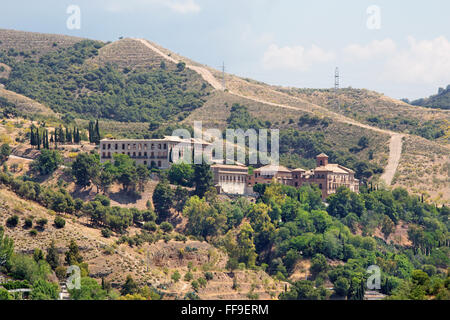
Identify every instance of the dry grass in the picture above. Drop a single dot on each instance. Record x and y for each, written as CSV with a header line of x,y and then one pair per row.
x,y
425,169
40,43
26,105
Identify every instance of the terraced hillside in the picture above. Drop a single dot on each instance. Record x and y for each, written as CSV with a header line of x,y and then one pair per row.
x,y
25,44
152,264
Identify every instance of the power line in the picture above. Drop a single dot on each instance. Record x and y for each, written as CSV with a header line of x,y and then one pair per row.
x,y
224,87
336,86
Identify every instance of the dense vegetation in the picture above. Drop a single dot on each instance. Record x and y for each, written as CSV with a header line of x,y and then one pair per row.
x,y
430,130
286,225
36,273
439,101
67,84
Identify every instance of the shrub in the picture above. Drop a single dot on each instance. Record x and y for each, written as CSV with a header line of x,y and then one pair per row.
x,y
28,223
106,233
60,222
12,221
209,276
195,285
42,222
202,282
150,226
188,276
61,272
166,227
33,232
176,276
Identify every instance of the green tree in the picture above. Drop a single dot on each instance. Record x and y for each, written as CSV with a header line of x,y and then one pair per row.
x,y
52,256
5,152
4,295
126,171
73,256
341,287
89,290
129,287
203,178
85,169
44,290
163,200
176,276
181,174
363,142
47,162
143,176
6,248
318,264
203,219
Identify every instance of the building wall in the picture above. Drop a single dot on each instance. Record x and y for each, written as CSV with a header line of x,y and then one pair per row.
x,y
146,152
328,182
231,179
281,177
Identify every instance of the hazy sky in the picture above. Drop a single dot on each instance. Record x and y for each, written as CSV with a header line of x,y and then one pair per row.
x,y
400,48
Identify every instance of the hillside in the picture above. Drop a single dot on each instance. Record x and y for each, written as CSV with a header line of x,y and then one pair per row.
x,y
128,62
441,100
23,44
114,262
181,240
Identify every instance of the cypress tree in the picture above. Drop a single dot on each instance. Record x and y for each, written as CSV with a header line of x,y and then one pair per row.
x,y
68,139
32,138
47,146
75,135
61,135
38,139
97,133
91,132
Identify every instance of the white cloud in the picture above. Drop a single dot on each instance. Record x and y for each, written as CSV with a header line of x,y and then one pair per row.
x,y
258,39
425,61
182,6
295,58
373,50
179,6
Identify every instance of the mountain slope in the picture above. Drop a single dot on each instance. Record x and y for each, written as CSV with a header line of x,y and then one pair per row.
x,y
441,100
198,95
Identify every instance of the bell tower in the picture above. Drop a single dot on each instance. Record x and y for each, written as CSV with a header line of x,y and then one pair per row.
x,y
322,160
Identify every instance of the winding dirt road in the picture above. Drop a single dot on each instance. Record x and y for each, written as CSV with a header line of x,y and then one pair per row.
x,y
395,145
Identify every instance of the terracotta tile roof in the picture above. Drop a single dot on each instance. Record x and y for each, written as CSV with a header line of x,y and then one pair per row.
x,y
322,155
336,168
271,168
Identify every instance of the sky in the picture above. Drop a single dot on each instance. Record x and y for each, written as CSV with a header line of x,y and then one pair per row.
x,y
400,48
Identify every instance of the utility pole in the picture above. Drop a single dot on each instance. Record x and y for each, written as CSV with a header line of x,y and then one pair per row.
x,y
336,86
223,77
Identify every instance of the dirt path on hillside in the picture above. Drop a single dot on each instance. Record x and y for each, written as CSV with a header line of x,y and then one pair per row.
x,y
206,75
395,145
395,153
